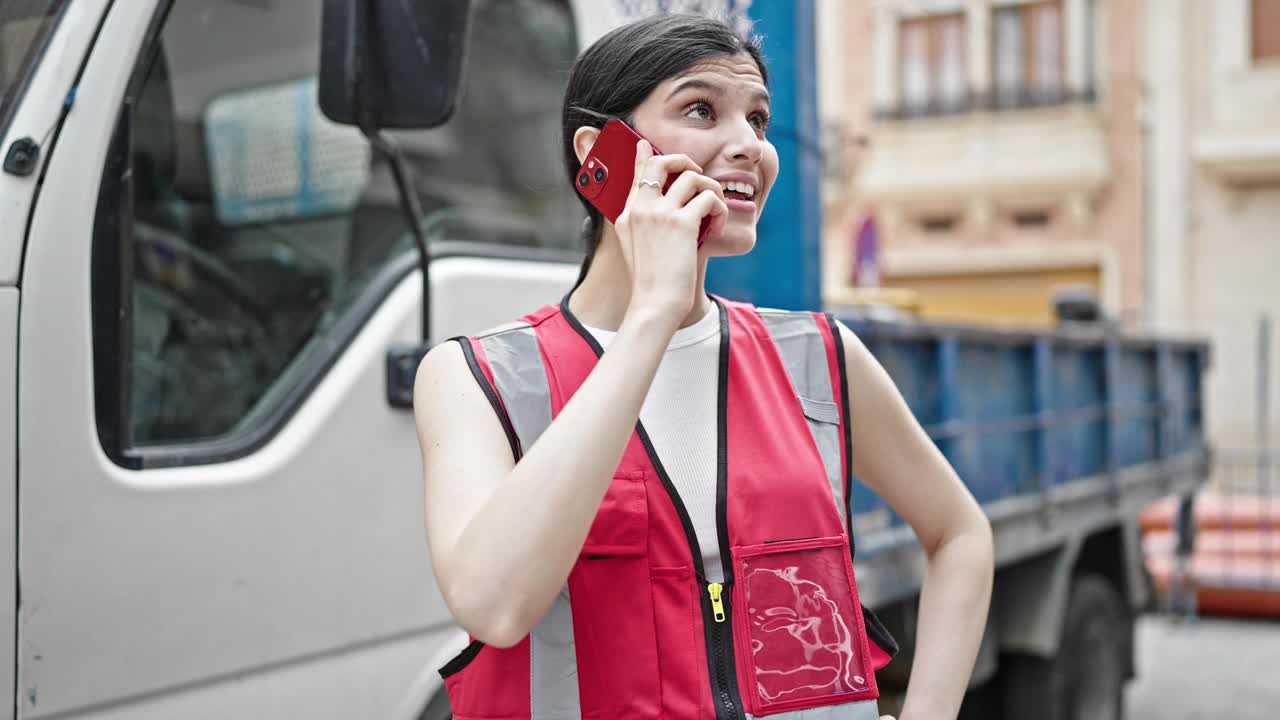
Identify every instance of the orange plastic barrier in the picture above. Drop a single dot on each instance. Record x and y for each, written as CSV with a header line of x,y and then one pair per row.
x,y
1214,512
1223,585
1235,543
1235,569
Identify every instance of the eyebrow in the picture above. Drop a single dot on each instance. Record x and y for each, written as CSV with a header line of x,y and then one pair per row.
x,y
712,88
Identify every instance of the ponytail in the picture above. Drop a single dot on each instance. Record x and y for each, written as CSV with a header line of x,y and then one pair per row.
x,y
590,238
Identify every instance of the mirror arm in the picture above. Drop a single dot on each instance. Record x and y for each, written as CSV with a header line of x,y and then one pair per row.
x,y
400,170
412,208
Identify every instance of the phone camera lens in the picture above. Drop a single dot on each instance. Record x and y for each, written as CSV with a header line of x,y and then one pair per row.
x,y
599,174
584,179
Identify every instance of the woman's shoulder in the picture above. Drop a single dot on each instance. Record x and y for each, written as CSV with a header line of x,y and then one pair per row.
x,y
444,363
523,323
815,320
468,352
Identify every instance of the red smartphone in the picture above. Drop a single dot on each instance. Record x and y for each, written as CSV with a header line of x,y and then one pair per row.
x,y
606,176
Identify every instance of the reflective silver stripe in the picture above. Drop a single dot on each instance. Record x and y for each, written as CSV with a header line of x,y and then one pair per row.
x,y
521,382
553,665
799,343
866,710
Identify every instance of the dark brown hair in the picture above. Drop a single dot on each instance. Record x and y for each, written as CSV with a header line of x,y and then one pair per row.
x,y
613,76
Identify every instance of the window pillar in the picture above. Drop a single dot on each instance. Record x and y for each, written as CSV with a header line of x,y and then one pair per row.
x,y
885,55
978,24
1077,29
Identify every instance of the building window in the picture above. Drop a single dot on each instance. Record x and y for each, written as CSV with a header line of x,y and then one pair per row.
x,y
1265,38
932,60
938,224
1030,219
1027,54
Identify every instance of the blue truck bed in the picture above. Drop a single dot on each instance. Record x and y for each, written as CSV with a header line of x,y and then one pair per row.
x,y
1055,432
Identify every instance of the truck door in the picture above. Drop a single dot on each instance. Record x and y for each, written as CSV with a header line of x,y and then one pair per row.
x,y
41,43
219,513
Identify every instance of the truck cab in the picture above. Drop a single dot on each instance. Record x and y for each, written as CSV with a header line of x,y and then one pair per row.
x,y
211,508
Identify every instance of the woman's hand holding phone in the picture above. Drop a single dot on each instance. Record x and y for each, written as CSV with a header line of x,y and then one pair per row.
x,y
659,230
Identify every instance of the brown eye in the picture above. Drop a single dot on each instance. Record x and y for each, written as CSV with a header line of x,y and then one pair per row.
x,y
699,111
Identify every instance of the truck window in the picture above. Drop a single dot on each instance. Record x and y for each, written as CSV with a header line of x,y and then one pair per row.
x,y
24,27
246,236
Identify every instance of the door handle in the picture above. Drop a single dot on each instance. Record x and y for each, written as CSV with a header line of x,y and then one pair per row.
x,y
402,367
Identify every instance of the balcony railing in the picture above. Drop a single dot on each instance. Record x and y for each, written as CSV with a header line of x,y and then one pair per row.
x,y
1014,98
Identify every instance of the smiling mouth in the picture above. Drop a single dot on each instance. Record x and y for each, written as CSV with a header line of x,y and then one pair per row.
x,y
738,190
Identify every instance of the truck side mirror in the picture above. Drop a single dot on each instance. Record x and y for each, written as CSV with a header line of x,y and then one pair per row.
x,y
395,64
391,63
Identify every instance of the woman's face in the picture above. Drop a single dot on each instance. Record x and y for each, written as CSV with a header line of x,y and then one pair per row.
x,y
717,114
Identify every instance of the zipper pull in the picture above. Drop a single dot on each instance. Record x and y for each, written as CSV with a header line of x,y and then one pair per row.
x,y
717,603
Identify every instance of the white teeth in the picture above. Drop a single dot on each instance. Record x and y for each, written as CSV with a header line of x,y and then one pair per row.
x,y
741,187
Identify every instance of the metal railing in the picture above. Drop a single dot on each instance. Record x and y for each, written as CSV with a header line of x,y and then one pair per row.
x,y
1012,98
1226,554
1221,552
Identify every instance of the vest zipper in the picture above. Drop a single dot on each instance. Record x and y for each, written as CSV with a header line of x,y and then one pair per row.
x,y
721,645
716,591
719,654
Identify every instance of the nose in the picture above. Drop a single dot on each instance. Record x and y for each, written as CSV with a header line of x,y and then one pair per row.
x,y
742,143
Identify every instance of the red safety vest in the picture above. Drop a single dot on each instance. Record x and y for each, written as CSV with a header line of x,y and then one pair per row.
x,y
638,632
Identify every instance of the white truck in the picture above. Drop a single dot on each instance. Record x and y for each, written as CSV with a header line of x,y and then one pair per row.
x,y
208,506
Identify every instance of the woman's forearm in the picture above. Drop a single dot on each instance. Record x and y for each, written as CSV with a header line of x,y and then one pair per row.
x,y
515,553
953,611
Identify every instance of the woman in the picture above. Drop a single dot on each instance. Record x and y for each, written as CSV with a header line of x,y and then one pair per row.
x,y
675,543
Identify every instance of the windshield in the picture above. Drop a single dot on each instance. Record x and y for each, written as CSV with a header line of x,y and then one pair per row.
x,y
24,26
260,232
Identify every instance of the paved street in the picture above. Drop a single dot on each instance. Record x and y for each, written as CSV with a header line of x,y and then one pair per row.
x,y
1214,668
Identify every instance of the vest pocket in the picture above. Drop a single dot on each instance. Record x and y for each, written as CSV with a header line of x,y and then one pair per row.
x,y
676,614
883,645
613,624
798,626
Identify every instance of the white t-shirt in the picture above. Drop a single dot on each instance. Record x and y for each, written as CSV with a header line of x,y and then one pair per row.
x,y
679,414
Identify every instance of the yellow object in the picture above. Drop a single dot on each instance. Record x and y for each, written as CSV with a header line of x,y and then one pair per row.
x,y
1022,298
900,299
717,603
1005,297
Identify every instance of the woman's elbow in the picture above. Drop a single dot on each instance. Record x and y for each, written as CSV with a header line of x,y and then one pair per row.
x,y
499,625
969,535
982,540
498,633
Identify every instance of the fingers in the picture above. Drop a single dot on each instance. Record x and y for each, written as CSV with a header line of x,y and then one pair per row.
x,y
652,169
710,204
692,196
657,167
644,151
706,203
688,185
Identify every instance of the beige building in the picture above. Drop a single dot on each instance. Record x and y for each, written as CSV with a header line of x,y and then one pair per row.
x,y
1213,73
997,144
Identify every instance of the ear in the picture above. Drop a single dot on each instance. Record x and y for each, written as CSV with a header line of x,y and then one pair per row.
x,y
583,139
